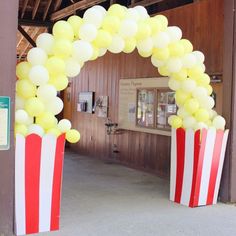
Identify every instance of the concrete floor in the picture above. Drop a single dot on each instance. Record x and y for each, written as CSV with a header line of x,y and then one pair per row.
x,y
101,199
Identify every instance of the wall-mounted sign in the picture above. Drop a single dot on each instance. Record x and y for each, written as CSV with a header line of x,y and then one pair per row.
x,y
4,123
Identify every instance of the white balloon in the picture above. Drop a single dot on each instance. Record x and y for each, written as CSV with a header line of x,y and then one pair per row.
x,y
36,129
200,126
174,65
93,16
156,62
188,85
207,102
21,116
199,92
182,112
212,114
87,32
37,56
132,13
175,33
142,12
199,56
39,75
174,84
102,52
30,120
46,42
54,106
82,51
117,44
64,125
219,122
46,92
128,28
145,45
189,122
161,40
72,67
101,9
19,102
189,60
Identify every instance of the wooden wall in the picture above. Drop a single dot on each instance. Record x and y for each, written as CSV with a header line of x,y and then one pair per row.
x,y
202,23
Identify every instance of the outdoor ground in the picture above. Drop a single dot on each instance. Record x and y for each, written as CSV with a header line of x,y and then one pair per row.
x,y
101,199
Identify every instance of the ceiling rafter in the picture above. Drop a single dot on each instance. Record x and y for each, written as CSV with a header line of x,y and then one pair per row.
x,y
47,9
57,5
36,6
24,8
34,33
22,36
27,36
145,3
67,11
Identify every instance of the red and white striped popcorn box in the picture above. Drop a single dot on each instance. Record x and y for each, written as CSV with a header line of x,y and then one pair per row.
x,y
38,182
197,159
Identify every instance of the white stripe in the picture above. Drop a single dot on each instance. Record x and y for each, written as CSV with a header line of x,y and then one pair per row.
x,y
188,168
206,168
20,185
46,181
173,165
219,173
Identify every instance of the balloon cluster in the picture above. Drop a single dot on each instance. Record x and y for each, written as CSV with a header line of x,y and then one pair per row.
x,y
73,42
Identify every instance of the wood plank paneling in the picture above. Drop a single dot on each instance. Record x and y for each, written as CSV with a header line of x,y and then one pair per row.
x,y
202,23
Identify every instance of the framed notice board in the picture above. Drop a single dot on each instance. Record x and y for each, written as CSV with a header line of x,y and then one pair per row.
x,y
4,123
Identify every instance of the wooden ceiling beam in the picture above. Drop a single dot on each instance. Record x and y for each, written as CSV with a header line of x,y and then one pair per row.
x,y
70,10
57,5
36,6
22,36
36,30
25,22
24,8
46,10
27,36
145,3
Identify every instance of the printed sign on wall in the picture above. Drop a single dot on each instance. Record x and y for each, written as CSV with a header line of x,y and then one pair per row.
x,y
4,123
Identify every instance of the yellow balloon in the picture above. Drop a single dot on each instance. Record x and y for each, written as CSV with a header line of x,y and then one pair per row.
x,y
155,25
145,54
75,22
95,53
163,70
204,79
161,54
181,97
46,120
21,129
202,115
164,21
34,107
25,88
63,30
22,70
195,72
209,89
181,75
111,24
176,122
62,48
54,131
55,66
103,39
117,10
144,31
176,49
188,47
60,82
72,136
130,45
191,105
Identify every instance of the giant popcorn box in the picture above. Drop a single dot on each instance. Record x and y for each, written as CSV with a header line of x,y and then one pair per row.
x,y
196,165
38,181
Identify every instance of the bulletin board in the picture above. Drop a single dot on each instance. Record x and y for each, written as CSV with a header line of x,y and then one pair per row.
x,y
127,102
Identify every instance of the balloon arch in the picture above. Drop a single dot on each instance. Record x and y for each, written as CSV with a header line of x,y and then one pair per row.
x,y
73,42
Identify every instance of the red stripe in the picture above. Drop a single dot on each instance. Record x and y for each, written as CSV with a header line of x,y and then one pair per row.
x,y
32,177
57,183
199,168
180,134
215,165
195,164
